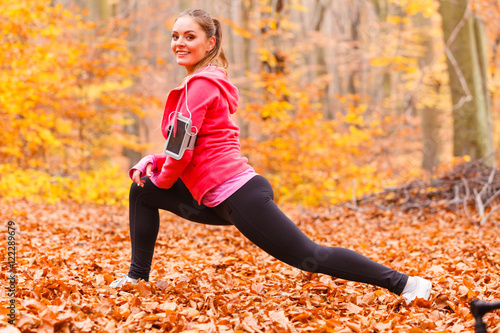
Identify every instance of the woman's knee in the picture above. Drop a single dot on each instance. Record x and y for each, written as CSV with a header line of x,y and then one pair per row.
x,y
136,190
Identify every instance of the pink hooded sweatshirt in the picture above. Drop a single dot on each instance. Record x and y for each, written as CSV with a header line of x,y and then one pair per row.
x,y
211,99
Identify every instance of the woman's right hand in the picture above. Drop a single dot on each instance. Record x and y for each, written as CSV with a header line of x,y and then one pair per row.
x,y
136,176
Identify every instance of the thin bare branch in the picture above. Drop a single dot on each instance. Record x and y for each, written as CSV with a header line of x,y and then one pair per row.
x,y
493,197
466,198
479,203
484,219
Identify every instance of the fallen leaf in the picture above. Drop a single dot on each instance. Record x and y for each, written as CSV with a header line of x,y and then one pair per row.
x,y
256,287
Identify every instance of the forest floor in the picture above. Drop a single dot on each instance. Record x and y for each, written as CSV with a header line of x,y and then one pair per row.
x,y
212,279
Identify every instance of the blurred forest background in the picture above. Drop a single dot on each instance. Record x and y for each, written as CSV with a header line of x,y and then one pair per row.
x,y
338,98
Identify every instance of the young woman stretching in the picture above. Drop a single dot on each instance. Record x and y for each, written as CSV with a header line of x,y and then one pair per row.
x,y
213,184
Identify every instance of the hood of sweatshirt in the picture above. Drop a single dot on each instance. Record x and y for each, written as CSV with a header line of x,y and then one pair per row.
x,y
218,76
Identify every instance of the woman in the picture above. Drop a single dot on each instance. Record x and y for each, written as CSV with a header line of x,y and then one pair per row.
x,y
213,184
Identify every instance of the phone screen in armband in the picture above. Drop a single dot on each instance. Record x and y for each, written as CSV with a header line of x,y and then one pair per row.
x,y
184,139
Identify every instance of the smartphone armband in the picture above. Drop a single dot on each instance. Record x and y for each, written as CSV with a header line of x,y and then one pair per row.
x,y
183,140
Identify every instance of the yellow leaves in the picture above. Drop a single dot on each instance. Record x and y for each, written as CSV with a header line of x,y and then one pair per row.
x,y
396,63
97,91
265,8
413,7
380,61
297,5
397,19
308,159
354,118
277,110
62,100
426,7
266,56
38,186
237,29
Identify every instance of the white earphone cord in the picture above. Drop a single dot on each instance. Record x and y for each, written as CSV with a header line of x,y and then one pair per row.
x,y
187,107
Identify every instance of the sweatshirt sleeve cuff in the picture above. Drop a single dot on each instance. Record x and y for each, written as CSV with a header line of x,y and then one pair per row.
x,y
141,166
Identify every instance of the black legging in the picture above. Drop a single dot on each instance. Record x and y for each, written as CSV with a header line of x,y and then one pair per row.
x,y
252,210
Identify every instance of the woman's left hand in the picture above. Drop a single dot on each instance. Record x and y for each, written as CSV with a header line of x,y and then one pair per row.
x,y
136,176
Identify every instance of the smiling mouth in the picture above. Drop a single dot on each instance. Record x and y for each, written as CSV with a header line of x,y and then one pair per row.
x,y
183,53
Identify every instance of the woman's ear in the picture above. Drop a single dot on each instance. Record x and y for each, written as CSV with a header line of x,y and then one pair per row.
x,y
211,43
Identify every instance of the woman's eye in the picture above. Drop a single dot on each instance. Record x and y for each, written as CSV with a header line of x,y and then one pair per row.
x,y
174,37
190,37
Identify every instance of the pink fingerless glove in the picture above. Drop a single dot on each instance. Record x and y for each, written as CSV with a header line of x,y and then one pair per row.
x,y
141,166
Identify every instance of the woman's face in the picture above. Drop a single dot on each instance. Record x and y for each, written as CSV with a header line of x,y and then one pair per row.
x,y
189,42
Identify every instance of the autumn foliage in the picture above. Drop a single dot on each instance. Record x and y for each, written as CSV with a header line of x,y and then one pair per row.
x,y
64,102
66,95
215,280
309,159
69,89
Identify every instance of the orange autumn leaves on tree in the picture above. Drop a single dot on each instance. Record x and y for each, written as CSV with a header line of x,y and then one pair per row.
x,y
66,89
63,97
311,160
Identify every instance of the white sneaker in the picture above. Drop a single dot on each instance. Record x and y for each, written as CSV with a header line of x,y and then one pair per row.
x,y
423,290
121,281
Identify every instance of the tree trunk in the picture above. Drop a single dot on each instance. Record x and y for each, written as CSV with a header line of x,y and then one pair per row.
x,y
382,10
472,122
430,138
354,34
482,52
132,155
184,5
98,9
319,51
246,8
429,113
